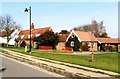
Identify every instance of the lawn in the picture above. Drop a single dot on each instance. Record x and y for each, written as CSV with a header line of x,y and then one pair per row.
x,y
108,61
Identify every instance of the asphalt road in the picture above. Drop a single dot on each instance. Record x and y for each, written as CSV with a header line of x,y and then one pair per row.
x,y
13,68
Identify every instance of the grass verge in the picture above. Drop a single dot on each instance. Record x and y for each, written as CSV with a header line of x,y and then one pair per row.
x,y
108,61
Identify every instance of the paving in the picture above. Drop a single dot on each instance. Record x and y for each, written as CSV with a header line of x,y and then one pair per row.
x,y
75,69
83,53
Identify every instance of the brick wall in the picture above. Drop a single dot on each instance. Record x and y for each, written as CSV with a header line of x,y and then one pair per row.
x,y
90,46
60,45
45,47
94,47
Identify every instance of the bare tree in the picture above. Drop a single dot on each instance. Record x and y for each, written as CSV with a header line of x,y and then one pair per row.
x,y
1,23
7,24
96,28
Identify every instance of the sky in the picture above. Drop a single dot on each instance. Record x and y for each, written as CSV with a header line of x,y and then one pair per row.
x,y
63,15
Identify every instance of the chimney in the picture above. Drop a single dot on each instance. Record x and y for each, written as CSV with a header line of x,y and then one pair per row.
x,y
32,26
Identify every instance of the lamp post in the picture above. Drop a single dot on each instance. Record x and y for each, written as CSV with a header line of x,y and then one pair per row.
x,y
26,10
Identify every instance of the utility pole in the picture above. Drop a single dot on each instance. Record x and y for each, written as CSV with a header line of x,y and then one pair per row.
x,y
26,10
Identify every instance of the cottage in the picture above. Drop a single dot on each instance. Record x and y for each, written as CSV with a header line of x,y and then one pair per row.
x,y
62,41
24,35
12,36
79,40
108,44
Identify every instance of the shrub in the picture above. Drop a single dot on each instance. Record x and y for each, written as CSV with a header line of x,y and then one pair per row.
x,y
47,39
23,44
3,44
85,47
111,48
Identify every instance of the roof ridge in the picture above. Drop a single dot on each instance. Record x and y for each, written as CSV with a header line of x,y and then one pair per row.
x,y
107,38
42,27
35,28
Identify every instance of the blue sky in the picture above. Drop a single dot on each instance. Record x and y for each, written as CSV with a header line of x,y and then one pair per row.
x,y
64,15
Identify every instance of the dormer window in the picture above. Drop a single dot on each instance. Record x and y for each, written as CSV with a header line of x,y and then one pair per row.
x,y
29,36
37,35
22,36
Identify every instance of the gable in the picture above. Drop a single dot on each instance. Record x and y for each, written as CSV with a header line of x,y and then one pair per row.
x,y
82,36
71,34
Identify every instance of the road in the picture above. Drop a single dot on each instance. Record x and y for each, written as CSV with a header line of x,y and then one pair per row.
x,y
14,68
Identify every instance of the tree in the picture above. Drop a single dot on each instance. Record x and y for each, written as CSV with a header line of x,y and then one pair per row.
x,y
96,28
47,39
104,35
7,24
64,32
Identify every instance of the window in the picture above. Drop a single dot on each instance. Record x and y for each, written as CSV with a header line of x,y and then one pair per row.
x,y
89,44
29,36
105,44
22,36
72,43
37,35
94,44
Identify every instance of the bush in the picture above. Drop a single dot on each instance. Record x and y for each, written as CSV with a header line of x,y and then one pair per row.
x,y
75,48
47,39
85,47
3,44
111,48
23,44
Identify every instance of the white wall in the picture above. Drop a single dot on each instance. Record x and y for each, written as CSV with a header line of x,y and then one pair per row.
x,y
3,40
13,36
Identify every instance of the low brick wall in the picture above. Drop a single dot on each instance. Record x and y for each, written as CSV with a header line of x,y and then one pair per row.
x,y
45,47
67,49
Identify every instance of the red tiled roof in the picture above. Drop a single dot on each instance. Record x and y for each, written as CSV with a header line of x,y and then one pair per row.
x,y
109,40
33,32
85,36
4,33
63,37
